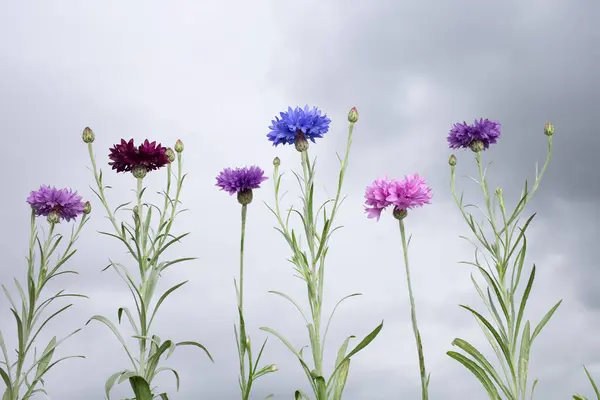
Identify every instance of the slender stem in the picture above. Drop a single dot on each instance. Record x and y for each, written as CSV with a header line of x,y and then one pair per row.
x,y
142,262
413,316
242,335
101,194
241,301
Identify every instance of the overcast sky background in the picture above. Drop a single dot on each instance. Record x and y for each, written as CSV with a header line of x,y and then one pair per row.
x,y
214,73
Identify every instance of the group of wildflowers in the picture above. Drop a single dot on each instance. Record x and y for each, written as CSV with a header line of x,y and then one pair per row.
x,y
146,232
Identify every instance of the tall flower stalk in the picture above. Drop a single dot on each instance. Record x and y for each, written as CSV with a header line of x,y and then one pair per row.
x,y
296,127
146,245
500,260
403,195
242,181
22,379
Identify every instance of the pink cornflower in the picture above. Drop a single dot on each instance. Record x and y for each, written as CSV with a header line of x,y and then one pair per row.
x,y
410,192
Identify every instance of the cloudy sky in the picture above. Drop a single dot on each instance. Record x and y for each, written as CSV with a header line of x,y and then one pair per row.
x,y
214,73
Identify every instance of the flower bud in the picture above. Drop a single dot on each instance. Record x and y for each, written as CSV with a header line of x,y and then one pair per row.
x,y
245,197
87,207
54,217
452,160
179,146
272,368
549,129
139,171
400,213
301,142
276,162
476,146
353,115
88,135
170,154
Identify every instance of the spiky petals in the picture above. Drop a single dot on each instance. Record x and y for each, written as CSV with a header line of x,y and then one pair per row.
x,y
238,179
126,156
65,203
308,122
463,135
376,198
410,192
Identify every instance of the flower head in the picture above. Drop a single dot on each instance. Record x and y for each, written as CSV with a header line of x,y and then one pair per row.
x,y
410,192
239,179
62,203
304,122
125,156
478,136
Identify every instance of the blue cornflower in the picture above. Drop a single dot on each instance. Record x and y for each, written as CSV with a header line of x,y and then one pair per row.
x,y
306,123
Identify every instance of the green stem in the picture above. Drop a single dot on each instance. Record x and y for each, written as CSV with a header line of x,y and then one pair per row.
x,y
413,316
242,334
101,194
142,266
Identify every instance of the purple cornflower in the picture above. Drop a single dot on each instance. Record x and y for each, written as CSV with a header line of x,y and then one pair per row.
x,y
298,123
126,156
478,136
63,203
241,181
411,192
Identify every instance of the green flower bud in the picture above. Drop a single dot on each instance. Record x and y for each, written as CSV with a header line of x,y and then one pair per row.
x,y
476,146
54,217
245,197
139,171
170,154
400,213
88,135
272,368
452,160
87,207
301,142
549,129
353,115
276,162
179,146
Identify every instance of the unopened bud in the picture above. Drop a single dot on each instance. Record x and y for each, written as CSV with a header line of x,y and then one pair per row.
x,y
301,142
476,146
499,191
549,129
170,154
400,213
353,115
87,207
272,368
139,171
179,146
245,197
276,162
452,160
88,135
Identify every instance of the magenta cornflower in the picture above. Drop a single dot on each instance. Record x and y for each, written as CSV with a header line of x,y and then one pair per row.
x,y
239,179
64,203
126,156
464,135
410,192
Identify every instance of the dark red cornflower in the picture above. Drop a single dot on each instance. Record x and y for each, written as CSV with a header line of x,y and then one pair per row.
x,y
125,156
